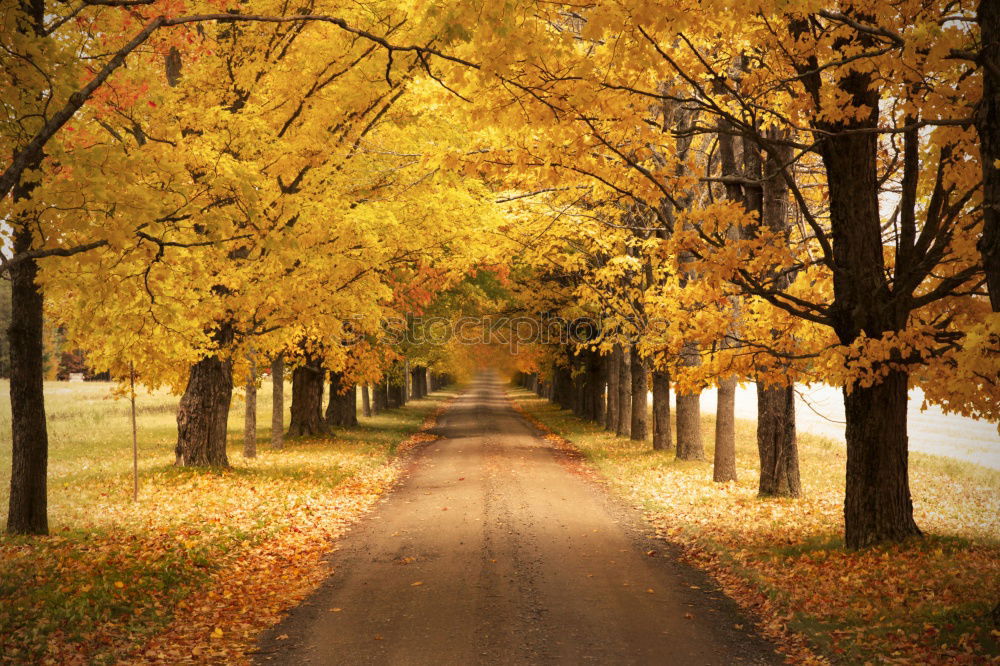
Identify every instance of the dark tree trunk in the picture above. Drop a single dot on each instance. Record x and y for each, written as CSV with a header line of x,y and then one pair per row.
x,y
988,125
724,465
307,399
404,383
779,454
877,504
203,414
250,411
366,403
611,405
417,384
596,383
563,387
30,454
28,502
639,428
661,410
624,420
689,442
397,390
278,402
579,386
380,395
342,410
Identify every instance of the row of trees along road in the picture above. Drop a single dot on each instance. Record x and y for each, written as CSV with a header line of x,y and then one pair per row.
x,y
773,194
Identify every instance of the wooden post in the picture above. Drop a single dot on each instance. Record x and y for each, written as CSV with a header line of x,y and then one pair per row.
x,y
135,435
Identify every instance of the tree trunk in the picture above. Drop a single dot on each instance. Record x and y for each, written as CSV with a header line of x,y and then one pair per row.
x,y
28,513
597,382
563,387
639,419
278,402
877,505
611,370
578,383
724,465
395,394
366,403
307,399
407,387
203,414
623,421
988,126
779,454
342,410
776,445
28,502
689,442
414,383
379,396
661,410
250,413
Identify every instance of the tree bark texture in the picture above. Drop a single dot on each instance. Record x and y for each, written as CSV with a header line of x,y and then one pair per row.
x,y
307,399
689,441
203,414
380,393
611,404
877,504
27,508
988,126
662,439
342,410
596,384
724,463
639,427
623,423
366,403
690,445
779,456
250,412
278,402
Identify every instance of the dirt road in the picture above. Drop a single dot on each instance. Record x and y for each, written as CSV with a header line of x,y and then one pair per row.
x,y
493,552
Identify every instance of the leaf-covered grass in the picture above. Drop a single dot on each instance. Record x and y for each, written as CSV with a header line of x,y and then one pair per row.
x,y
205,559
926,601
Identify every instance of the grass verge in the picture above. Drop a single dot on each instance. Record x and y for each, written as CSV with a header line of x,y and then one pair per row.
x,y
205,560
927,601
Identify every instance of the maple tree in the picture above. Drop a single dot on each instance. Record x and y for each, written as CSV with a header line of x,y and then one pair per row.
x,y
865,115
606,200
213,200
802,201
